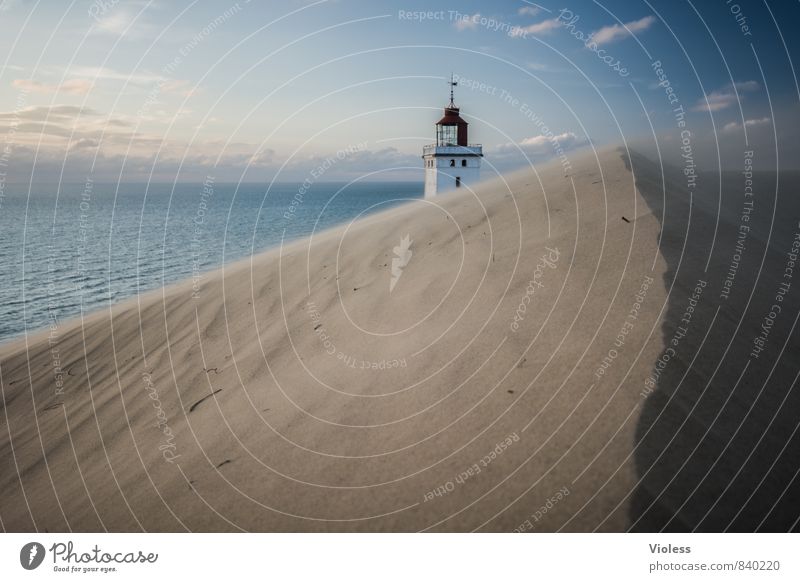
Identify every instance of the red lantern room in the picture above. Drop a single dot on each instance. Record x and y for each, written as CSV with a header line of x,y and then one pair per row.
x,y
451,130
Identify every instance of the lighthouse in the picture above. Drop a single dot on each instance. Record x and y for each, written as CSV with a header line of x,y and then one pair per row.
x,y
452,162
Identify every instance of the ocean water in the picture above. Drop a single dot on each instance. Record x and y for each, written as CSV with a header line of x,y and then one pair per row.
x,y
71,249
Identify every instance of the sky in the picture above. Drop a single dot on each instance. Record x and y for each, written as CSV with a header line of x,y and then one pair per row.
x,y
279,90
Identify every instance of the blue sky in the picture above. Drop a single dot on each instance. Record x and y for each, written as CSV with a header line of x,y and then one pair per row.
x,y
257,90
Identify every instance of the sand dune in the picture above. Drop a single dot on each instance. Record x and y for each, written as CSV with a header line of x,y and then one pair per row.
x,y
501,384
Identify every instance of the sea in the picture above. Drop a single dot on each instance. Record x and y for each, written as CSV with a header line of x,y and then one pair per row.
x,y
70,249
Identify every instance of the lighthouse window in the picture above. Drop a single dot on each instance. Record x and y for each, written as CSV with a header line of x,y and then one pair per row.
x,y
448,134
463,163
458,181
452,163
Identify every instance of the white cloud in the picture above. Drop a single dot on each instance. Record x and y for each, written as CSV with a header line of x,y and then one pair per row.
x,y
47,134
106,74
715,101
67,127
117,23
178,87
747,86
54,113
84,144
529,10
539,28
467,22
88,75
124,23
72,86
540,142
615,32
535,149
262,158
724,97
754,122
541,145
735,126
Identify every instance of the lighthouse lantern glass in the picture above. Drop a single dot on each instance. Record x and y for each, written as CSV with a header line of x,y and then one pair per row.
x,y
448,135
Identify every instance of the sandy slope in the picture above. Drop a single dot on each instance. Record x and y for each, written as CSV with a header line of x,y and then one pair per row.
x,y
296,392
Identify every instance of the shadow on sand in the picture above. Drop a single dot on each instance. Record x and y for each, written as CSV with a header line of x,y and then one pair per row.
x,y
717,443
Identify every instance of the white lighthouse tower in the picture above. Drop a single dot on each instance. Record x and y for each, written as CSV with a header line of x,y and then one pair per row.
x,y
452,161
